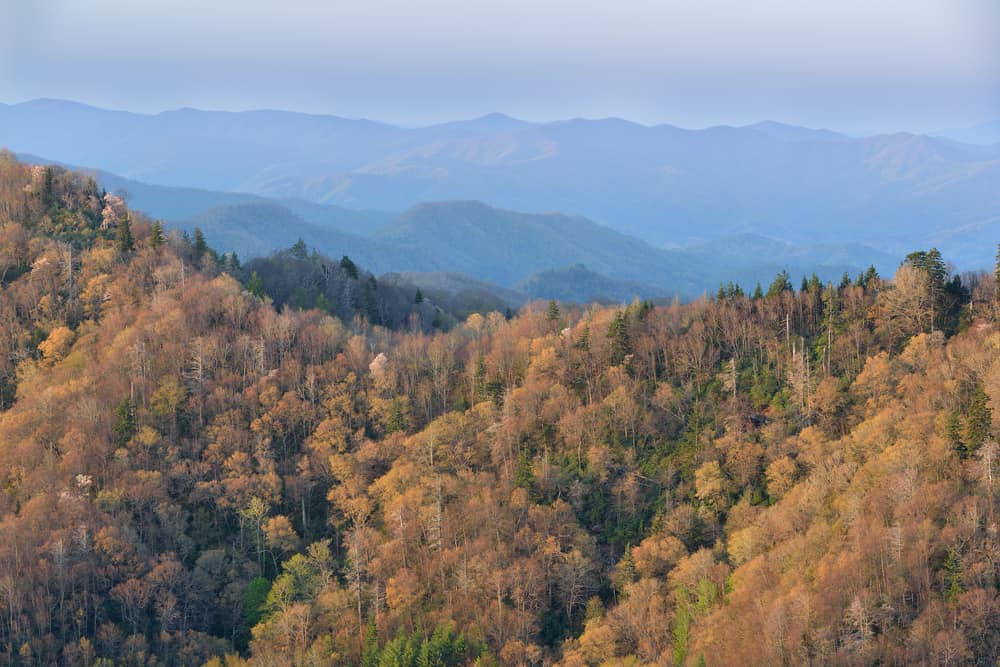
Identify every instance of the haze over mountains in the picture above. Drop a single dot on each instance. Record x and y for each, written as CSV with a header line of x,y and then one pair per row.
x,y
627,191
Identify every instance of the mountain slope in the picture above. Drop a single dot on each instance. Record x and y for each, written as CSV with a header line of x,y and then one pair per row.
x,y
505,246
579,284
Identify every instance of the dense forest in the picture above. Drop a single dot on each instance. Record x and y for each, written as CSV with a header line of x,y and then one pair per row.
x,y
208,463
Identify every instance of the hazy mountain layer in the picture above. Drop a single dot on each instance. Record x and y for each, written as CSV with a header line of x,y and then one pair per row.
x,y
666,185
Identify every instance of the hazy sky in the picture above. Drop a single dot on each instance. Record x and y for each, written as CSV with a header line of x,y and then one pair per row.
x,y
854,65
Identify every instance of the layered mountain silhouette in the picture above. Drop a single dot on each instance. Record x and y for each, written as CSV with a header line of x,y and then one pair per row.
x,y
665,185
510,255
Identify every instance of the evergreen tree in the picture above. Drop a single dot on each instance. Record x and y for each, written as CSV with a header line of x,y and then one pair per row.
x,y
996,284
845,280
255,286
419,298
300,250
124,424
350,267
253,606
123,237
200,245
978,420
370,654
952,575
758,292
397,418
322,303
553,311
48,188
156,235
815,284
868,277
953,431
780,284
621,344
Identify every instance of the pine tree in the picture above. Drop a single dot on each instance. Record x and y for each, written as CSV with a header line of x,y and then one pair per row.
x,y
397,418
200,245
369,655
553,311
255,286
350,267
124,425
978,420
953,431
123,237
322,303
780,284
621,344
48,188
156,235
419,298
953,587
996,284
758,293
300,250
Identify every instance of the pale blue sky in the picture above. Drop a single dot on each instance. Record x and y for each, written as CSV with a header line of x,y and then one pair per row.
x,y
854,65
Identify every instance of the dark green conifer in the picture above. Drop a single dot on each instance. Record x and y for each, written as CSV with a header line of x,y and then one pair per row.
x,y
123,237
780,284
350,267
255,286
156,235
621,344
978,420
124,425
200,245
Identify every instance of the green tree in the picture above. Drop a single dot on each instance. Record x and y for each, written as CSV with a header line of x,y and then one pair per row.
x,y
156,235
553,311
48,188
200,245
996,284
123,236
978,420
253,601
124,425
370,653
952,574
419,297
350,267
953,431
397,417
322,303
621,344
255,286
780,284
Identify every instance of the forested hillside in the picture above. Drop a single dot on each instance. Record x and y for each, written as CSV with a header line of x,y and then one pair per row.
x,y
191,474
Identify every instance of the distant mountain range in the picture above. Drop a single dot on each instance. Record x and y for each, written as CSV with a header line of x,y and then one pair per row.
x,y
510,255
986,134
668,186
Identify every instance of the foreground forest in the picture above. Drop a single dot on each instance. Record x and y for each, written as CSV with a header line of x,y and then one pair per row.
x,y
191,475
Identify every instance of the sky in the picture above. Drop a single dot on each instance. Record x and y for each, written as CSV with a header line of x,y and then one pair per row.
x,y
852,65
